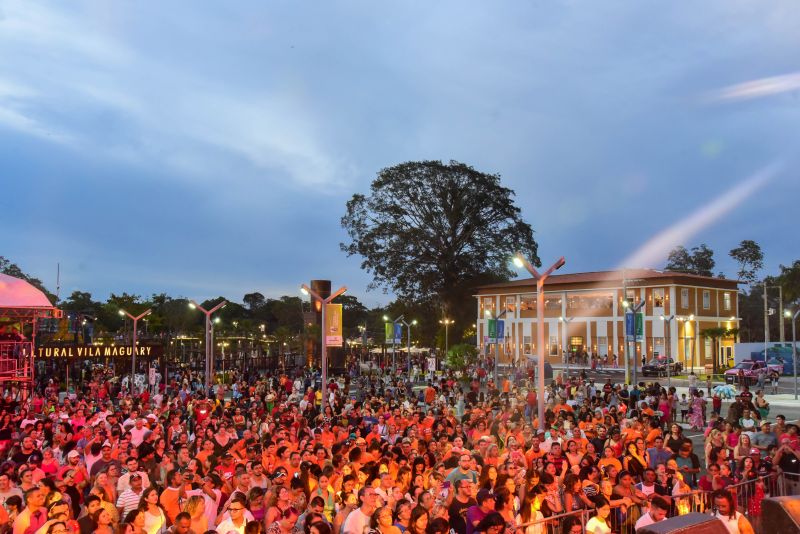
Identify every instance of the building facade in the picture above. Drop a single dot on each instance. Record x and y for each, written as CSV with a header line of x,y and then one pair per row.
x,y
585,313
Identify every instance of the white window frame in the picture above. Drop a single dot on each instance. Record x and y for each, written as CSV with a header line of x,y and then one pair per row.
x,y
706,299
684,297
726,301
658,291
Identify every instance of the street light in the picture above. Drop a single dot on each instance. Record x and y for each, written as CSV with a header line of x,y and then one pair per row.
x,y
209,337
135,319
668,339
788,313
446,323
401,319
521,261
324,302
566,321
633,310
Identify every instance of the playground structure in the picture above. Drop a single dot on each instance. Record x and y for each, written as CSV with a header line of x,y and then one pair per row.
x,y
21,306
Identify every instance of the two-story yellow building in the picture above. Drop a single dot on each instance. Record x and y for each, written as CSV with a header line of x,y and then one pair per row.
x,y
586,312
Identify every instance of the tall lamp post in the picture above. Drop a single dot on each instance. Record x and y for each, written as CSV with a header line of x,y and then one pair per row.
x,y
324,302
633,310
521,261
489,315
209,337
135,319
401,319
788,313
565,321
446,323
668,343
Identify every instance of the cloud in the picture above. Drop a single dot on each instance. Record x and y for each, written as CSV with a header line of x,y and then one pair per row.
x,y
761,88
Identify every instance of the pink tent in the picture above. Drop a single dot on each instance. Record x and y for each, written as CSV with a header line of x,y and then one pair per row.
x,y
17,293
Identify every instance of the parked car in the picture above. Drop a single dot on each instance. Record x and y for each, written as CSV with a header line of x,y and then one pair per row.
x,y
659,367
749,370
784,366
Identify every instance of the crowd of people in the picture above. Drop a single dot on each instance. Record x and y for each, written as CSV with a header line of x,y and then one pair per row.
x,y
261,456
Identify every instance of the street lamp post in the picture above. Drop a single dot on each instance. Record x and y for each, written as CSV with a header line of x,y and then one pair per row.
x,y
633,310
446,323
521,261
401,319
135,319
565,321
788,313
209,338
324,301
668,343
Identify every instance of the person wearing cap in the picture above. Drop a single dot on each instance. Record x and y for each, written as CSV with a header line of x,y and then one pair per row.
x,y
484,506
129,499
765,439
132,466
105,459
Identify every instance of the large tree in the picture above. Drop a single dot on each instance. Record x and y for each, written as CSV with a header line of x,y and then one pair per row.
x,y
427,228
750,259
700,260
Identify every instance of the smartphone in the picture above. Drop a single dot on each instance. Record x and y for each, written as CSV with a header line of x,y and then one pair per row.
x,y
670,471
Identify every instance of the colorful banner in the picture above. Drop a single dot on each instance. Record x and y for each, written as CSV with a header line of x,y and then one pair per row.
x,y
492,328
394,333
333,325
634,327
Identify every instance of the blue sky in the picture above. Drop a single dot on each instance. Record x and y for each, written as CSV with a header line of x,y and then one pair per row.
x,y
203,149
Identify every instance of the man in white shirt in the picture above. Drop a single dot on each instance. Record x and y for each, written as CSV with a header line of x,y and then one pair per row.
x,y
359,518
124,482
129,499
139,432
658,511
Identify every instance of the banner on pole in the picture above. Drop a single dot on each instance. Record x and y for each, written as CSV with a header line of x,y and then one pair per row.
x,y
630,326
394,333
639,327
500,330
333,325
492,328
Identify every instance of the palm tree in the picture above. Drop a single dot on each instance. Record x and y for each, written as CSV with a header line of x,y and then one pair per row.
x,y
716,333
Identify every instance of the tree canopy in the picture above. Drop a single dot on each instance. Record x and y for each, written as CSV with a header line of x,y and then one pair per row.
x,y
700,260
428,228
750,259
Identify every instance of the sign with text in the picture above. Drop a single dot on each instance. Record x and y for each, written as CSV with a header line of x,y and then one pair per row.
x,y
333,325
98,351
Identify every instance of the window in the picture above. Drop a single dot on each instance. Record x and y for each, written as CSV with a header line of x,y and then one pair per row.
x,y
658,297
576,342
726,301
487,303
630,296
706,299
527,302
553,345
511,303
526,345
684,297
602,341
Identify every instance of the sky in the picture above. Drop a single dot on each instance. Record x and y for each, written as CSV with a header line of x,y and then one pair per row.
x,y
205,149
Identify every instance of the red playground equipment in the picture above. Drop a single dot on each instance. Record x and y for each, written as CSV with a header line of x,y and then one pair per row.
x,y
21,305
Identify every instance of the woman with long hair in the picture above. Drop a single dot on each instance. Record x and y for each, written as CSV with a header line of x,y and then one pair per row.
x,y
134,522
493,523
633,462
600,523
195,506
574,497
488,477
419,521
504,505
154,518
381,522
280,502
102,522
675,438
